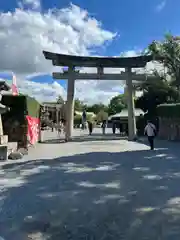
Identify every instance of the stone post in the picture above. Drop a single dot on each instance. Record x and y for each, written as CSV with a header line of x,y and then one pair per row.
x,y
130,102
70,104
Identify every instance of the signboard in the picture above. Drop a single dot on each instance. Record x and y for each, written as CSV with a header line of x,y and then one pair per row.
x,y
33,129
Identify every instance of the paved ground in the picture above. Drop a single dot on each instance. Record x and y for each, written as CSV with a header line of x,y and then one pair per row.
x,y
92,190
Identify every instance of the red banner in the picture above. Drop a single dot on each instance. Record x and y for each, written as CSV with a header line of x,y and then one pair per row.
x,y
33,129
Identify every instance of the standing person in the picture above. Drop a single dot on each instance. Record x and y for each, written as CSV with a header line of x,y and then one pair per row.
x,y
63,121
59,128
150,131
84,119
114,127
52,126
103,127
90,127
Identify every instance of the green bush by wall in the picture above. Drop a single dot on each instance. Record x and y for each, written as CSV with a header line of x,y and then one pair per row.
x,y
21,105
77,120
169,110
33,107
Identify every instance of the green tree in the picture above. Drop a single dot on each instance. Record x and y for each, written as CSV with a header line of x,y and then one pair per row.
x,y
167,52
78,105
163,89
116,104
96,108
156,92
60,100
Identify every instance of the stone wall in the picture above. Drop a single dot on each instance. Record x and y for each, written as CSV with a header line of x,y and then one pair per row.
x,y
169,129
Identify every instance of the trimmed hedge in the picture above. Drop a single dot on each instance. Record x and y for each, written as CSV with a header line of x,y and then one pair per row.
x,y
21,105
169,110
33,107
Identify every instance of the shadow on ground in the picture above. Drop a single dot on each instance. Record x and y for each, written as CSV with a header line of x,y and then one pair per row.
x,y
101,195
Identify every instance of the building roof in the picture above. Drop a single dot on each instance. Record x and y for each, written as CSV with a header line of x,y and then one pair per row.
x,y
82,61
124,113
52,104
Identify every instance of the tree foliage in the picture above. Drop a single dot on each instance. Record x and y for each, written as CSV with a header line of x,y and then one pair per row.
x,y
155,93
60,100
78,105
167,52
116,104
163,89
101,116
96,108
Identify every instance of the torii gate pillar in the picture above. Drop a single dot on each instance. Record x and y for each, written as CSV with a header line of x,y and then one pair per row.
x,y
130,102
70,104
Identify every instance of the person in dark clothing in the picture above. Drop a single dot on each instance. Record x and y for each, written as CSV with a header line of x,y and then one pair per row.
x,y
103,126
150,131
114,128
90,127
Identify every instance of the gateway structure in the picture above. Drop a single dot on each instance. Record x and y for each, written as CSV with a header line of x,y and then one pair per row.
x,y
73,62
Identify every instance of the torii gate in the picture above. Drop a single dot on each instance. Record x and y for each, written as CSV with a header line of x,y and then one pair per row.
x,y
100,63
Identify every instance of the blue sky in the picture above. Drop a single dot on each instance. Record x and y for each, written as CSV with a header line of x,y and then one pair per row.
x,y
136,23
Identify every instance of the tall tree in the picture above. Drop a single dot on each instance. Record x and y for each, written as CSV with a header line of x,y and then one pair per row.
x,y
163,89
78,105
116,104
96,108
167,52
156,92
60,100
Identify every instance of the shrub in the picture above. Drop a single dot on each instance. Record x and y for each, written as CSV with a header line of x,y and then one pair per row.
x,y
77,120
21,105
169,110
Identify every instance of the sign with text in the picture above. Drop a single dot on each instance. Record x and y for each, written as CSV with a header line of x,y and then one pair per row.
x,y
33,129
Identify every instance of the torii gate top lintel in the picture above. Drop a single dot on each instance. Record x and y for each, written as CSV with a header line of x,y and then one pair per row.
x,y
104,62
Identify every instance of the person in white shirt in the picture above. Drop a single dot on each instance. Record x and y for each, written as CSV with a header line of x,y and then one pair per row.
x,y
150,131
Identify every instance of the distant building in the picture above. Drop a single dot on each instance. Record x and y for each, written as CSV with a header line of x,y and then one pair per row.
x,y
53,111
121,119
123,115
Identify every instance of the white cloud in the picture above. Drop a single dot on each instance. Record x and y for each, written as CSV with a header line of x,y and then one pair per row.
x,y
101,91
161,6
41,91
33,4
25,33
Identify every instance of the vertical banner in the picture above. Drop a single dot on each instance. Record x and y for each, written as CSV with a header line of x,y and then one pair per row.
x,y
33,129
14,86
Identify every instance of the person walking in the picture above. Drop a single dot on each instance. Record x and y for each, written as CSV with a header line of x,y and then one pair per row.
x,y
103,126
90,127
114,127
150,131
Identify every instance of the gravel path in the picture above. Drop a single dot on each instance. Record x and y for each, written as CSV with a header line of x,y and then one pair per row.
x,y
92,190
